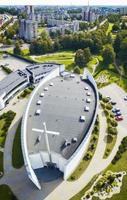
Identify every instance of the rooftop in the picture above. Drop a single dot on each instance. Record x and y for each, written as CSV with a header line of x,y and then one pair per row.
x,y
41,68
11,81
61,108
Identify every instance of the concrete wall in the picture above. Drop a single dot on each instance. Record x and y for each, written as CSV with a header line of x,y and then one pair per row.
x,y
5,97
2,102
73,162
27,162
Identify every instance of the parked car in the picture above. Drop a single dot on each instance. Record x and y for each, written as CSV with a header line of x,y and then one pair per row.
x,y
117,109
113,103
114,110
125,98
118,114
108,97
119,118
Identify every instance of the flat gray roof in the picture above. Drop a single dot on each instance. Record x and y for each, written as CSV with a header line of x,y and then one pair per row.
x,y
38,69
61,108
11,81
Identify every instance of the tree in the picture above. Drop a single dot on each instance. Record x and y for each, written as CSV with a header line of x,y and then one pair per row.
x,y
79,58
116,27
82,57
123,51
87,55
77,70
124,25
40,46
17,49
108,54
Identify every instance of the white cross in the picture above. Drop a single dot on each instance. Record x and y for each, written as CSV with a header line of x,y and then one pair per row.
x,y
46,132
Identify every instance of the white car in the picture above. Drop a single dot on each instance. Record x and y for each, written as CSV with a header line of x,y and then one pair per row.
x,y
86,88
82,118
88,93
72,76
38,112
39,102
125,98
51,84
86,109
42,95
88,100
46,89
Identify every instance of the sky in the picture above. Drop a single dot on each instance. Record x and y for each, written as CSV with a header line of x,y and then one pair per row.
x,y
63,2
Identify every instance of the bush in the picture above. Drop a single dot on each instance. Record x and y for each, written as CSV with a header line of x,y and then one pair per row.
x,y
114,123
112,130
77,70
109,138
105,100
106,112
108,106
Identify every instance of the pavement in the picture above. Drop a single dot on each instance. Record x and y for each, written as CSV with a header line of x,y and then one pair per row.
x,y
59,189
14,63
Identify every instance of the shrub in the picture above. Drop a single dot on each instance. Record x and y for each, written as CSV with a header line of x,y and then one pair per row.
x,y
77,70
105,100
114,123
108,106
112,130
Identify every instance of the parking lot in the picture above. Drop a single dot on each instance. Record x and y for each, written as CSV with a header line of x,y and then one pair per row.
x,y
117,95
13,63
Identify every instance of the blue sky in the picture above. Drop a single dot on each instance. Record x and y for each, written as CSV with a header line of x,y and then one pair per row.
x,y
63,2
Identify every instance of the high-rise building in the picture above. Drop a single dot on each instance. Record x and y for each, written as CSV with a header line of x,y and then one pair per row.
x,y
123,11
28,26
89,14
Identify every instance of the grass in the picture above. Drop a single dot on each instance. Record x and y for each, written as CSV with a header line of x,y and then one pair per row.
x,y
109,146
63,57
110,31
119,166
6,193
5,122
109,28
17,157
25,52
40,30
91,64
114,77
82,192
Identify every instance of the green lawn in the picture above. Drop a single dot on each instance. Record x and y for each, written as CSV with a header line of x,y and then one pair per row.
x,y
120,165
17,157
63,57
109,146
82,192
40,30
6,193
109,28
113,77
91,64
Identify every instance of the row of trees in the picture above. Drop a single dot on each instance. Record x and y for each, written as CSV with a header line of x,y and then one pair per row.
x,y
120,47
94,41
82,57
